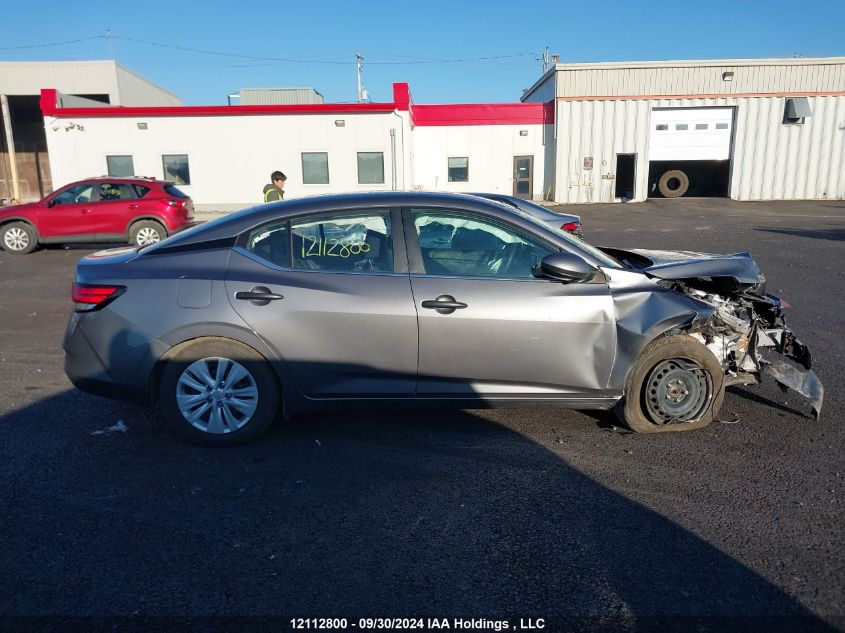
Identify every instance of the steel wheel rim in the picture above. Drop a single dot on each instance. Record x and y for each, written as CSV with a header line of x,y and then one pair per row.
x,y
677,390
16,239
147,236
217,395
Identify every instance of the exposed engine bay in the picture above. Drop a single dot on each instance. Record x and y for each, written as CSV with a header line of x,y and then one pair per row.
x,y
747,332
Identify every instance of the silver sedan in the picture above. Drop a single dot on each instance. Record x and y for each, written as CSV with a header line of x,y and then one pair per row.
x,y
418,297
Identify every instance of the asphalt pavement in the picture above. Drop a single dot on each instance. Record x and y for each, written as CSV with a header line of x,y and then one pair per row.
x,y
108,521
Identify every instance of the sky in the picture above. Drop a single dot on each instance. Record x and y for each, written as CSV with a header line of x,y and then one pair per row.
x,y
449,51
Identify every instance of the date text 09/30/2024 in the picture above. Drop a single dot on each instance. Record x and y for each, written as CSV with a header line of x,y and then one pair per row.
x,y
418,624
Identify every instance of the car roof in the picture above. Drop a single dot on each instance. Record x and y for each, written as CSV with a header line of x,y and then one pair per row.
x,y
240,221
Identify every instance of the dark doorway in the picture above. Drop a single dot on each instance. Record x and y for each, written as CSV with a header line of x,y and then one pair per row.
x,y
626,171
523,177
696,178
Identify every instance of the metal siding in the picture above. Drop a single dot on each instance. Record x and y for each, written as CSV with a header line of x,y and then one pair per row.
x,y
279,96
774,161
688,78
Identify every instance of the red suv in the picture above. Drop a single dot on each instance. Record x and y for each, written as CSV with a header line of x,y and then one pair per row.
x,y
138,210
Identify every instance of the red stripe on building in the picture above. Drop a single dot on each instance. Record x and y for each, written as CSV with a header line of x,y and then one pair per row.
x,y
484,114
49,107
451,114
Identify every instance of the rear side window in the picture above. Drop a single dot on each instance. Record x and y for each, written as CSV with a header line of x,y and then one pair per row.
x,y
173,190
352,243
271,243
110,191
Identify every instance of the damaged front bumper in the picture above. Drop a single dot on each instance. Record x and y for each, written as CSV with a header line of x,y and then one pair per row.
x,y
787,376
748,335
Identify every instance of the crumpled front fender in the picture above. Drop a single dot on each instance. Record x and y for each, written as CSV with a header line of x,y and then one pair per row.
x,y
644,311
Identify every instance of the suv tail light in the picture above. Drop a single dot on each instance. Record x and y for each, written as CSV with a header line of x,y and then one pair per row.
x,y
88,297
571,226
175,203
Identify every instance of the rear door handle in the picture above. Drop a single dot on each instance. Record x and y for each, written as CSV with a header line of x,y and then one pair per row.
x,y
444,304
133,206
86,210
258,296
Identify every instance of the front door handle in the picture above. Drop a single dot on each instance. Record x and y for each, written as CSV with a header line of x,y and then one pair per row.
x,y
86,210
444,304
258,296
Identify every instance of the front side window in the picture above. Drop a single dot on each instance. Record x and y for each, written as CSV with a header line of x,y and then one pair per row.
x,y
176,168
315,168
271,243
79,194
352,243
459,169
370,168
457,244
120,166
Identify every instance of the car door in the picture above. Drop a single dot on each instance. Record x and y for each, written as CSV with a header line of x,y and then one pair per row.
x,y
69,212
331,294
488,328
115,203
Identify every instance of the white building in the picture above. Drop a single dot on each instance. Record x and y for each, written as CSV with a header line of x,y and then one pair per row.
x,y
222,156
748,129
24,164
765,129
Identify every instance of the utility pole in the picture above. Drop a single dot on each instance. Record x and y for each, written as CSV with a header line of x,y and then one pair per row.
x,y
358,60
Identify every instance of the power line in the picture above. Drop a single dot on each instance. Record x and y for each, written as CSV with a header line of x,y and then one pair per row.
x,y
83,39
406,60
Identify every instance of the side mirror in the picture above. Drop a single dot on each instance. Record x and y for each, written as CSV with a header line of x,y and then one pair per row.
x,y
51,204
566,267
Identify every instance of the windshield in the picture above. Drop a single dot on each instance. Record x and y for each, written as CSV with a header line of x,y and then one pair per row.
x,y
604,258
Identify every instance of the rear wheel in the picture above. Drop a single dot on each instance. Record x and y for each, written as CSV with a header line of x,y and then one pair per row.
x,y
18,238
217,392
146,232
673,184
677,384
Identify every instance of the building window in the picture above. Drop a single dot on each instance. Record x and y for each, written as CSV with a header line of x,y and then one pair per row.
x,y
176,169
370,168
700,126
120,166
721,126
315,168
459,169
681,126
662,127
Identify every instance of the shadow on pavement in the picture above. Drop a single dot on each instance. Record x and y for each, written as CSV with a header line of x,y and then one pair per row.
x,y
347,514
835,235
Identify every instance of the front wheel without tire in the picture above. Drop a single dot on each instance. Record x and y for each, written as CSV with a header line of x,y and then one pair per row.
x,y
676,384
218,392
18,238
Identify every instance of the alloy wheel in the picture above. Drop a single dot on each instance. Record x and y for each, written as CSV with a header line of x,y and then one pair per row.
x,y
147,236
16,239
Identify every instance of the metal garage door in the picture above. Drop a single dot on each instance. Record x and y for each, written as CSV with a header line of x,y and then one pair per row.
x,y
691,134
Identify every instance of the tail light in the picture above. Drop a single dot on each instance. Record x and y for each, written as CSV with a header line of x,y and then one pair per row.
x,y
572,226
175,203
88,297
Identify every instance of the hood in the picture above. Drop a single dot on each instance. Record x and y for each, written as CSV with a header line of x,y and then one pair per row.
x,y
18,208
685,265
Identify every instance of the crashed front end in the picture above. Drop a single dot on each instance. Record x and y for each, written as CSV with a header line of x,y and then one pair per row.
x,y
747,331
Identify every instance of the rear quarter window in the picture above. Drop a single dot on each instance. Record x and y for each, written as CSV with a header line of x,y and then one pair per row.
x,y
173,190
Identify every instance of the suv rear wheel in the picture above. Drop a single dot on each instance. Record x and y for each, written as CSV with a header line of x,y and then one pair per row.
x,y
146,232
18,238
